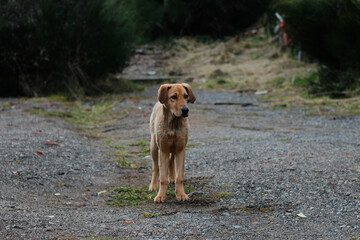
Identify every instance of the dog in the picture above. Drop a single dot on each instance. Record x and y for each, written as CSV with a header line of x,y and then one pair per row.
x,y
169,135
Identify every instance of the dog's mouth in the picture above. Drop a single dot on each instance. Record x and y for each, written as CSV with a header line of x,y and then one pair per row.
x,y
184,115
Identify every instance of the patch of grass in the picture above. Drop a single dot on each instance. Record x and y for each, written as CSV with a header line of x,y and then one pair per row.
x,y
143,148
218,74
191,145
263,209
221,195
246,137
126,163
225,138
149,215
131,196
87,117
203,181
142,143
95,237
119,148
7,104
220,83
107,141
122,157
278,82
57,98
284,139
306,81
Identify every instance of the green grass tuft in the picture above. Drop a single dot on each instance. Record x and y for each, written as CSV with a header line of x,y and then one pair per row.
x,y
131,196
220,195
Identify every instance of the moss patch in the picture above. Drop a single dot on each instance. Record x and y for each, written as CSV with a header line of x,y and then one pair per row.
x,y
131,196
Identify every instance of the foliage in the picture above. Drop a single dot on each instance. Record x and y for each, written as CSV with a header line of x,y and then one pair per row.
x,y
217,18
328,31
56,46
70,46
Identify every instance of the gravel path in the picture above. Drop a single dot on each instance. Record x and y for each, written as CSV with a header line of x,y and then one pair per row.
x,y
277,174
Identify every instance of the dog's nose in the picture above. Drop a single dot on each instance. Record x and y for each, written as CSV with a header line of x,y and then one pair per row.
x,y
185,110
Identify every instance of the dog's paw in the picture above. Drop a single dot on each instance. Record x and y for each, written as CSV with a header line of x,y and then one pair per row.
x,y
182,197
159,198
172,179
153,187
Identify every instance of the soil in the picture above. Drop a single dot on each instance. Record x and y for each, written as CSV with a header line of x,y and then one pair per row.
x,y
258,173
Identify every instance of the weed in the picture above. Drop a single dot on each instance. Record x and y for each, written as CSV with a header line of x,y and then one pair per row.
x,y
57,98
94,237
221,195
87,117
119,148
126,163
148,215
225,138
143,148
306,81
191,145
142,143
263,209
284,139
7,104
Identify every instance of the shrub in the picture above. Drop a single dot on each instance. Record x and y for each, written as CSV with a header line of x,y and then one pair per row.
x,y
60,46
329,31
215,18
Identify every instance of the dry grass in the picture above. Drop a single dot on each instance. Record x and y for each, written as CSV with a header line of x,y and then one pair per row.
x,y
249,65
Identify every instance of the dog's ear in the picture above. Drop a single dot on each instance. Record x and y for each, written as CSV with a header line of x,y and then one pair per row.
x,y
163,93
192,97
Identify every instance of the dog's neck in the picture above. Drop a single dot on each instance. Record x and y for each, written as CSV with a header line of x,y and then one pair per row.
x,y
173,123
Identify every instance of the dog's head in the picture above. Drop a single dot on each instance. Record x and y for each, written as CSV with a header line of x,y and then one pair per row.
x,y
176,98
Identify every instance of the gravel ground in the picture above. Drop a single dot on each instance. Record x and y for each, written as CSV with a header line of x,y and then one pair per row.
x,y
283,175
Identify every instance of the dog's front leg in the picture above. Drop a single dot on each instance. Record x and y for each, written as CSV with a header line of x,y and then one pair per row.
x,y
164,181
179,180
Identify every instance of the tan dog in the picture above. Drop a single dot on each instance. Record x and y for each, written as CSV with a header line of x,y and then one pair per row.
x,y
169,136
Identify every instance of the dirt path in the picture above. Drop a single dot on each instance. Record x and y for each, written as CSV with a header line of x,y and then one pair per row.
x,y
258,173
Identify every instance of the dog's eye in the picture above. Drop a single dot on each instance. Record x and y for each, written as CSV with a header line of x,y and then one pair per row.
x,y
186,96
174,97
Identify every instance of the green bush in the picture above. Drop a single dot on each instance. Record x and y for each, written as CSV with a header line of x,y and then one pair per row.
x,y
70,45
216,18
329,31
60,46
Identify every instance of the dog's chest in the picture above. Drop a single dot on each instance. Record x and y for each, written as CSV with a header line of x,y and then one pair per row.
x,y
175,139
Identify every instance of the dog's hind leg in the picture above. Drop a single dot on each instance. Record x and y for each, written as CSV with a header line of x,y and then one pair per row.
x,y
172,168
155,166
